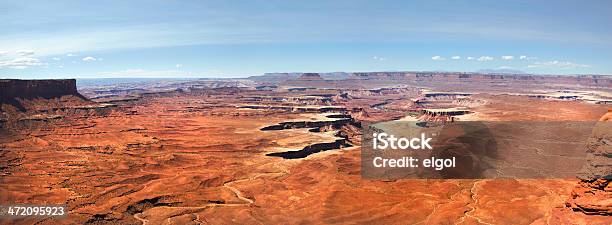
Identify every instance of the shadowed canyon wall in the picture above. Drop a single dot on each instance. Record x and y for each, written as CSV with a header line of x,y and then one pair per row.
x,y
29,89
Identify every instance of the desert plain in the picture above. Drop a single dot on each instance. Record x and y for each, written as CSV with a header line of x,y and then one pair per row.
x,y
277,149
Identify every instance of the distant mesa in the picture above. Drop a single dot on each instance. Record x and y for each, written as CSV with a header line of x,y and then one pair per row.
x,y
275,77
500,71
500,75
29,89
310,76
281,77
12,90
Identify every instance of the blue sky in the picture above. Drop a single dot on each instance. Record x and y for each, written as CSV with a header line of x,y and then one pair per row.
x,y
163,38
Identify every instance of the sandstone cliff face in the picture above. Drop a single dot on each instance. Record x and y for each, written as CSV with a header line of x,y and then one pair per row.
x,y
28,89
593,194
36,99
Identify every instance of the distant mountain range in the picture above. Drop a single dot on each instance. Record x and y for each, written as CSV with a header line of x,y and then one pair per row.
x,y
497,75
295,75
275,77
500,71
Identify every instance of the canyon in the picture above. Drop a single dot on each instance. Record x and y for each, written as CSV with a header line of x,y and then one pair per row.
x,y
279,148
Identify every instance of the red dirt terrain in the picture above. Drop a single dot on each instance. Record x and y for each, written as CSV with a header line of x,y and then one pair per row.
x,y
254,156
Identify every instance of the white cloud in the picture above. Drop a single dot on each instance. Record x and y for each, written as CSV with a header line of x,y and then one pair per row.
x,y
557,64
524,57
437,58
25,52
507,57
3,53
70,55
215,30
377,58
485,58
60,66
470,58
505,67
456,57
89,59
56,58
20,63
179,65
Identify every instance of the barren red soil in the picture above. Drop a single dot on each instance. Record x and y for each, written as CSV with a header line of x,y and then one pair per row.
x,y
170,162
520,108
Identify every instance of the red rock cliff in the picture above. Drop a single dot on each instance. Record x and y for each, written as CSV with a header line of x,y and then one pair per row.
x,y
14,92
593,194
28,89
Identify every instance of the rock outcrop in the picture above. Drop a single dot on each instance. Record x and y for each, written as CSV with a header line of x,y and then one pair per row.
x,y
13,90
27,103
29,89
593,194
